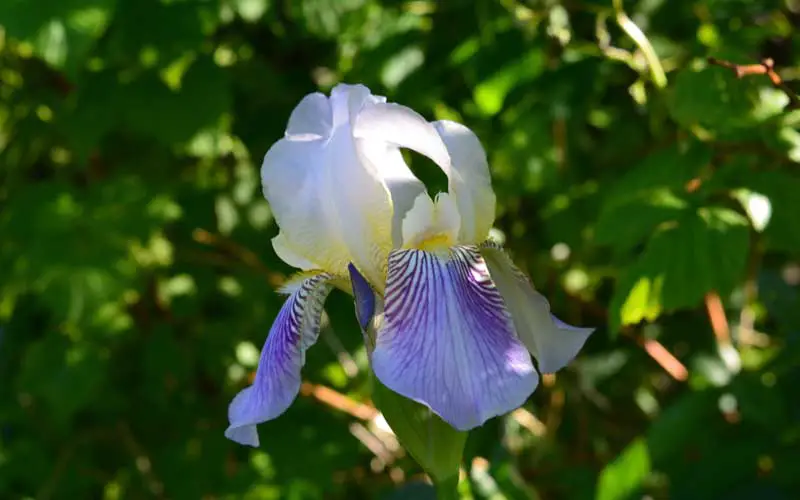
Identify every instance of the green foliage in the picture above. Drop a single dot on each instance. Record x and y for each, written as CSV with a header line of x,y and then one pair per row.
x,y
435,445
634,181
697,253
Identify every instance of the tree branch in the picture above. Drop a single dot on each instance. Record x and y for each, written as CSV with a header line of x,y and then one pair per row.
x,y
765,67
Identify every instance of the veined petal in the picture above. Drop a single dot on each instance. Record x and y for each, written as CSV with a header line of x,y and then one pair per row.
x,y
447,340
364,297
551,341
469,181
277,380
332,208
369,308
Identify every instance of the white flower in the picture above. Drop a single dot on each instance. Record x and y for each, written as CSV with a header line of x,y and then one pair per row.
x,y
460,321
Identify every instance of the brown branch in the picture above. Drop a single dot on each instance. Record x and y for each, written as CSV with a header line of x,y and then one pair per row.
x,y
339,401
765,67
660,354
664,358
243,254
528,420
717,317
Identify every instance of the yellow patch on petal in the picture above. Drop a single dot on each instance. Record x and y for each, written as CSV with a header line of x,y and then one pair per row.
x,y
432,226
438,244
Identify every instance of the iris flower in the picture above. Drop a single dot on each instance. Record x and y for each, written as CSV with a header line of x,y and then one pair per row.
x,y
460,322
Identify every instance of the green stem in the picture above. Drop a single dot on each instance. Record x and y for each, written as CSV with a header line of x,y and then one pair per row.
x,y
447,489
637,35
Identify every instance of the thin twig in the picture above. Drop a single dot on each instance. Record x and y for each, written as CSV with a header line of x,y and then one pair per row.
x,y
339,401
664,358
765,67
373,443
244,254
529,421
384,445
346,361
652,347
719,321
722,332
636,34
604,43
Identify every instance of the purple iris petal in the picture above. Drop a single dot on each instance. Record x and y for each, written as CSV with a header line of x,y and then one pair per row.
x,y
277,379
364,297
447,340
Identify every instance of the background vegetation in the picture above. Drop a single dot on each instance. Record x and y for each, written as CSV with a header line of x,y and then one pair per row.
x,y
644,190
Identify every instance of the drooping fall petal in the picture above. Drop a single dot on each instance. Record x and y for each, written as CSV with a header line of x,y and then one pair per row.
x,y
277,380
447,341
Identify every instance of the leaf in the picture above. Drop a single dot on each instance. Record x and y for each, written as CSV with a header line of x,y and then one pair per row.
x,y
65,377
665,169
147,106
327,18
415,490
621,478
251,10
175,116
433,443
625,225
781,188
173,30
62,33
703,251
491,93
645,197
711,97
643,300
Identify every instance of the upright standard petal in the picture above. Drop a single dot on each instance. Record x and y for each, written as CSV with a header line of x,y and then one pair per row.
x,y
395,124
380,130
332,208
447,340
469,181
452,146
403,185
311,118
551,341
277,380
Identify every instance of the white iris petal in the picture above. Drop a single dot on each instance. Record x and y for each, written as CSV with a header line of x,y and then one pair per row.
x,y
459,323
551,341
332,207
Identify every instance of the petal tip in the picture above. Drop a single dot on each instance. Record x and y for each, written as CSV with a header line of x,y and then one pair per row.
x,y
245,435
557,357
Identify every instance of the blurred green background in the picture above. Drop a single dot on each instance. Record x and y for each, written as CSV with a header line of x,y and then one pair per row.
x,y
644,190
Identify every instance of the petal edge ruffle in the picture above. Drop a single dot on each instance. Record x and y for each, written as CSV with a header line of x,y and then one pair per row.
x,y
277,379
